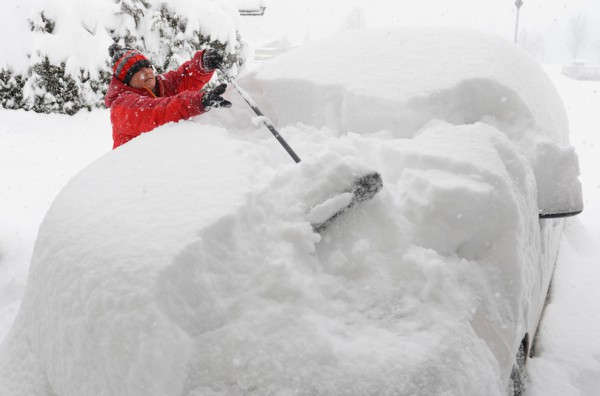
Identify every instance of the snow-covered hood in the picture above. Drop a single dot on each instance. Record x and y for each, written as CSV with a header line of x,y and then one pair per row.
x,y
186,262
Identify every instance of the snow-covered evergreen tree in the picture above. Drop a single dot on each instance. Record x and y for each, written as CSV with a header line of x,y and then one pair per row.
x,y
177,36
127,28
59,60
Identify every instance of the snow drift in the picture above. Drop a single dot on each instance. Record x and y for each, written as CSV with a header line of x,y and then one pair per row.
x,y
183,263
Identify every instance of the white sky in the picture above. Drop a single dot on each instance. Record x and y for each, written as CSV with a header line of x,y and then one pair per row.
x,y
547,19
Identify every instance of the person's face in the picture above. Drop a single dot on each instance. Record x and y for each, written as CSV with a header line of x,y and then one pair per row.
x,y
144,78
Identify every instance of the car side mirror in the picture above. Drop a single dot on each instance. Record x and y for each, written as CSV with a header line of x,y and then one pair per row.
x,y
556,171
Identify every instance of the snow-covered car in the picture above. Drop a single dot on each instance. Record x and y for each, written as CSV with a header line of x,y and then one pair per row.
x,y
184,262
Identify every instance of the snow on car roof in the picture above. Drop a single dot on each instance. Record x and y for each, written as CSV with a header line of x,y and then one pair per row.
x,y
410,68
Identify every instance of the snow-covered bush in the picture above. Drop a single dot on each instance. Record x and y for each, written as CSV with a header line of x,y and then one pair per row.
x,y
60,62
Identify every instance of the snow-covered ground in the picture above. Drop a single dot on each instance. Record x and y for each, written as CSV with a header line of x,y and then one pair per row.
x,y
41,153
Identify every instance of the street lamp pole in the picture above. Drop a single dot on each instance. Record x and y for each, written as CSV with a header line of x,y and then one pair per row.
x,y
518,4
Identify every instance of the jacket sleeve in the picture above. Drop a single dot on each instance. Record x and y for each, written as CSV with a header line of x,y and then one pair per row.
x,y
190,76
132,114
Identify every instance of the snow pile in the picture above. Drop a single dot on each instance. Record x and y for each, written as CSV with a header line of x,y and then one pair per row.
x,y
184,263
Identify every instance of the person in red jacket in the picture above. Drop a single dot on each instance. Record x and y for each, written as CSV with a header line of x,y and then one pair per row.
x,y
140,101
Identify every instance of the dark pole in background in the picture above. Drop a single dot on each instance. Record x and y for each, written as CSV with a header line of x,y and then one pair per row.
x,y
518,4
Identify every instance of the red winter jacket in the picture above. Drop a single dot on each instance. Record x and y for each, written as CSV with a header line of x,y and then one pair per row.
x,y
135,111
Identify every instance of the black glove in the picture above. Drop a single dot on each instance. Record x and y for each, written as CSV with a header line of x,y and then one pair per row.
x,y
213,98
211,59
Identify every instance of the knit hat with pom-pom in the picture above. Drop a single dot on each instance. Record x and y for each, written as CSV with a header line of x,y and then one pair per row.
x,y
126,62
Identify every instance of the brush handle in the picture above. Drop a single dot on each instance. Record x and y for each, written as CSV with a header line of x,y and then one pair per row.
x,y
259,113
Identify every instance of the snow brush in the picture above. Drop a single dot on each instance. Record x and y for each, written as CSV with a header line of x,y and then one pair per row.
x,y
362,189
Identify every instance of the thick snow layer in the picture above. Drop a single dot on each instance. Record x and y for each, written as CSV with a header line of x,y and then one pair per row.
x,y
452,74
399,80
184,261
176,271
